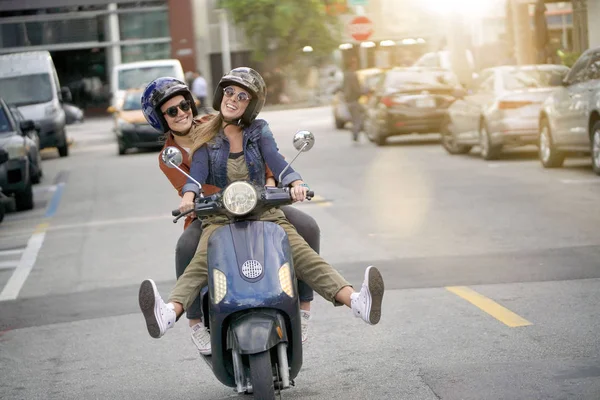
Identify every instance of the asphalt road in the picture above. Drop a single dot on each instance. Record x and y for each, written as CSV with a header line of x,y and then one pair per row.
x,y
492,271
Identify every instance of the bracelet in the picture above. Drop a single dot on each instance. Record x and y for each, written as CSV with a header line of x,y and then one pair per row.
x,y
305,185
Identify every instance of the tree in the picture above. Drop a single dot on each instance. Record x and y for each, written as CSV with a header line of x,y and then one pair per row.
x,y
281,28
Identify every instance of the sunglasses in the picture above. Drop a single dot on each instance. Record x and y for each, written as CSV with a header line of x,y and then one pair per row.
x,y
172,111
242,97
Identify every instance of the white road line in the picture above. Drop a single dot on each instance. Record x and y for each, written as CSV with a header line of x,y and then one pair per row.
x,y
8,264
20,274
13,252
579,181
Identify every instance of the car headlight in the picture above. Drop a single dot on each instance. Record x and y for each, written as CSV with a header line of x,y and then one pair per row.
x,y
16,150
285,280
240,198
219,286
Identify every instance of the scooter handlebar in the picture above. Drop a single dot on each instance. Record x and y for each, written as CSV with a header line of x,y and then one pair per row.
x,y
175,212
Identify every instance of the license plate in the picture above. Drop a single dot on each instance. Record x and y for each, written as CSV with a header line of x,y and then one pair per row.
x,y
426,102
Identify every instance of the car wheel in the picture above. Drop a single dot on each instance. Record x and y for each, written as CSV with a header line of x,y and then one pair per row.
x,y
488,151
63,150
549,156
450,145
36,169
24,199
122,149
374,133
37,177
595,143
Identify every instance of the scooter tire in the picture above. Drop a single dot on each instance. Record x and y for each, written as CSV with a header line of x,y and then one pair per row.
x,y
261,375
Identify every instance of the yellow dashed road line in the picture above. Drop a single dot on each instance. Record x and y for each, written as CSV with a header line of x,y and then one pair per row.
x,y
489,306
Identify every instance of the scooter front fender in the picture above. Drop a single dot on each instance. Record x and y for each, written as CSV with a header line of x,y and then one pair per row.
x,y
256,331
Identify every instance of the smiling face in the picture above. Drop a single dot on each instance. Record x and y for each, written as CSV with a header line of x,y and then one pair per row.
x,y
232,107
182,121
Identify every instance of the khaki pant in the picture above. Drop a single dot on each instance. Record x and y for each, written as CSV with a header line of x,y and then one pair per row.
x,y
309,266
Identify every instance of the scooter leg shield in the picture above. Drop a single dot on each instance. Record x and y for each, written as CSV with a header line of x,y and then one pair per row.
x,y
256,331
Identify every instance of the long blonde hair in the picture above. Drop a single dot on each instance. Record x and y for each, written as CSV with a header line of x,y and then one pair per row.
x,y
204,133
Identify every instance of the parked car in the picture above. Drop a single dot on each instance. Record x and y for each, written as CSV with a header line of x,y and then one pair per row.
x,y
138,74
16,172
367,78
500,110
443,59
570,117
31,133
73,113
409,100
29,81
130,127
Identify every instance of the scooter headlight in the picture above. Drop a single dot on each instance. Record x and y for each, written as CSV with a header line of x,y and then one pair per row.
x,y
240,198
285,280
219,286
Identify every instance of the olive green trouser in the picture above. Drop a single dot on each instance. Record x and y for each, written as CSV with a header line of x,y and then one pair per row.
x,y
309,266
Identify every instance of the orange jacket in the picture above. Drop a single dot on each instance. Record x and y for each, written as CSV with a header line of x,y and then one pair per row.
x,y
177,179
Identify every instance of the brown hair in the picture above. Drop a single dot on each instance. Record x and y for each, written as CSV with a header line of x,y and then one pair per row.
x,y
205,132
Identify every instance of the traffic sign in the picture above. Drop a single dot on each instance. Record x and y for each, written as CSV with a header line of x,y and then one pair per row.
x,y
360,28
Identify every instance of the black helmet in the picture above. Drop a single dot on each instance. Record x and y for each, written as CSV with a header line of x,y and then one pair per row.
x,y
157,93
250,80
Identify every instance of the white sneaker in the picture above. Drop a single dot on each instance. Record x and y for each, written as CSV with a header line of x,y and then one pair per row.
x,y
366,304
304,318
159,316
201,338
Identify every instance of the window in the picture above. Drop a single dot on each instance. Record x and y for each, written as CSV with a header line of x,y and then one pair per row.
x,y
399,79
5,125
143,52
139,77
517,79
429,60
487,86
593,70
578,71
26,89
133,101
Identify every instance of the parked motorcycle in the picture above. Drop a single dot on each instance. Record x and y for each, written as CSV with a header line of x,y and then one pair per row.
x,y
252,299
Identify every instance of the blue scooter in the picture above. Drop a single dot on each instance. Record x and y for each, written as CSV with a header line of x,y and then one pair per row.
x,y
252,298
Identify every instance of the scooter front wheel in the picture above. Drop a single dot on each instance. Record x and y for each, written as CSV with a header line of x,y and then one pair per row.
x,y
261,375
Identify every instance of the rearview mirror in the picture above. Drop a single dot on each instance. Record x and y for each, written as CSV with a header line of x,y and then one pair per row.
x,y
304,140
111,110
172,157
27,125
557,80
65,93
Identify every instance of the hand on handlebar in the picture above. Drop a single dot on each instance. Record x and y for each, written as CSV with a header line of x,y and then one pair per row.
x,y
299,190
187,202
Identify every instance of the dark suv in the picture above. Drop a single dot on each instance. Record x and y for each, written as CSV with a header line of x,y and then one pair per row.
x,y
17,169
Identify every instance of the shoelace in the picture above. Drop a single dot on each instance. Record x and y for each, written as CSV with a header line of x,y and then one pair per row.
x,y
202,335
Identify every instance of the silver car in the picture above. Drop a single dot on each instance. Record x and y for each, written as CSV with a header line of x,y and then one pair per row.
x,y
500,110
570,118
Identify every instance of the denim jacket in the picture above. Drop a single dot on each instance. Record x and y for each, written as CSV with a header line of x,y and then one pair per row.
x,y
209,163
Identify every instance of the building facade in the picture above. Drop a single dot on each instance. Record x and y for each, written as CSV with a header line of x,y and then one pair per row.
x,y
88,37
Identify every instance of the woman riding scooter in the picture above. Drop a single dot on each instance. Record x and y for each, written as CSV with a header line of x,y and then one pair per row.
x,y
180,135
245,147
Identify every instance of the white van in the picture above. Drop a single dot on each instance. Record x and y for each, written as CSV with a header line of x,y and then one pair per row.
x,y
138,74
29,82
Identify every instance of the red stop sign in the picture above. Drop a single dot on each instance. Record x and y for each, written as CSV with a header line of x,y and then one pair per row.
x,y
360,28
